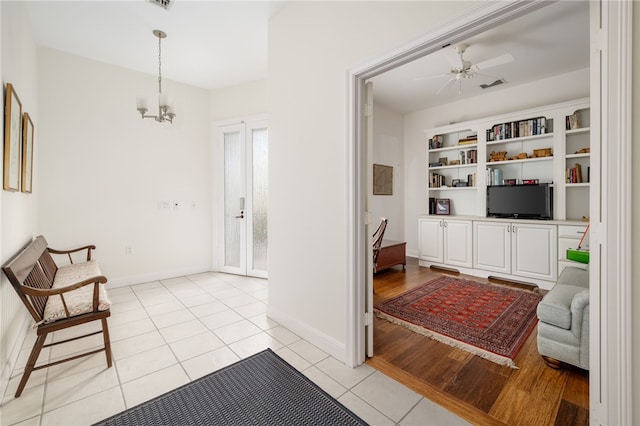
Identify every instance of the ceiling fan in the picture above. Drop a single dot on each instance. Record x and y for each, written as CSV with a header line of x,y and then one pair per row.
x,y
462,69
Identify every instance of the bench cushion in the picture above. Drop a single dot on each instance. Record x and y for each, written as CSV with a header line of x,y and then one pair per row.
x,y
79,301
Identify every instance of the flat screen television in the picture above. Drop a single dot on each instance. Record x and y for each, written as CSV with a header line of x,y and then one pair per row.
x,y
520,201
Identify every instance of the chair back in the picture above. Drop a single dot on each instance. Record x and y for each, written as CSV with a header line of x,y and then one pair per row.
x,y
377,238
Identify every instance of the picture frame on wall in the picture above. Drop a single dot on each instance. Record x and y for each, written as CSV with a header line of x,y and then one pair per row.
x,y
382,180
443,206
12,139
27,153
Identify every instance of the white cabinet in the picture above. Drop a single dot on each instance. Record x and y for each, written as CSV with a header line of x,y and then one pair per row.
x,y
569,237
446,241
516,248
492,246
534,251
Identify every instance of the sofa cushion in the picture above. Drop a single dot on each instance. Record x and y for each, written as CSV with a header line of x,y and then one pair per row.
x,y
555,307
79,301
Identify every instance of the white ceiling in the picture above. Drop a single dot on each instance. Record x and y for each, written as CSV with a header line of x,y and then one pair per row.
x,y
209,44
551,41
213,44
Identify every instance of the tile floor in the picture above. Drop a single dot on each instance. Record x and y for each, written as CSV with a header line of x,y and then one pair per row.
x,y
167,333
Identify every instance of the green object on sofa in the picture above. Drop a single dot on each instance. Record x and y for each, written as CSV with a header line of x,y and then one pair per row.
x,y
563,330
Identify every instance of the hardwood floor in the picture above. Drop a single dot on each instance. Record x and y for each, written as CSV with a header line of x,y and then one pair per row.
x,y
480,391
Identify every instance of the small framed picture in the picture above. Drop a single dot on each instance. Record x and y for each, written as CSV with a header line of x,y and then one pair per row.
x,y
444,161
443,206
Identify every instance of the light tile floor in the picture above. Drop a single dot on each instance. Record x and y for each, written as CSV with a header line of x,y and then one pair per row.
x,y
167,333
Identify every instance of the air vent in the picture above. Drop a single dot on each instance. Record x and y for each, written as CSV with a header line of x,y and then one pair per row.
x,y
165,4
495,83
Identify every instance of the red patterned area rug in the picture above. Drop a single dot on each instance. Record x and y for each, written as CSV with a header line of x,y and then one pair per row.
x,y
487,320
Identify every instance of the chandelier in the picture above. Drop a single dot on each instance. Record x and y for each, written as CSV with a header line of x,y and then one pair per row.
x,y
166,111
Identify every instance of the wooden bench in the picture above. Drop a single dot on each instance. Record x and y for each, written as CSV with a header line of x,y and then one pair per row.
x,y
391,253
59,297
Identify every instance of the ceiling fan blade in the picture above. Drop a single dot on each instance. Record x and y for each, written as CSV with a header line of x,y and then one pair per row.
x,y
498,60
444,86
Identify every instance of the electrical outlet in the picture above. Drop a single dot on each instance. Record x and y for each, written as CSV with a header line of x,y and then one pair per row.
x,y
128,250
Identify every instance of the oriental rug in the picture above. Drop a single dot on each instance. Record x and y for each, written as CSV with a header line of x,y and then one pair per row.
x,y
260,390
488,320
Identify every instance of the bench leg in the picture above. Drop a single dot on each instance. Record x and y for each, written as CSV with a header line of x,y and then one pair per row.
x,y
33,358
107,341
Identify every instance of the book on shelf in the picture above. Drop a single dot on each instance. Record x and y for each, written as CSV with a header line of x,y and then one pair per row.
x,y
517,129
469,157
436,180
470,140
574,174
432,205
437,141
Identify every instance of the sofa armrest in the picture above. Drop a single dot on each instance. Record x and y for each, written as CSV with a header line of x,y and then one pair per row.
x,y
574,276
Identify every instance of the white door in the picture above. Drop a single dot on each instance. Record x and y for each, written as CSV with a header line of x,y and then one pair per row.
x,y
244,149
371,225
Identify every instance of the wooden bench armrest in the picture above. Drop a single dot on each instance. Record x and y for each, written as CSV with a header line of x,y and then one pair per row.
x,y
75,250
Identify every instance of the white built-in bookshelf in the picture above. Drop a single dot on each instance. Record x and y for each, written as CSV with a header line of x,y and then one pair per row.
x,y
549,144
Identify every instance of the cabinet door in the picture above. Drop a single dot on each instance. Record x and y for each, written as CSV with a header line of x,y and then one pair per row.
x,y
431,240
458,248
492,246
534,251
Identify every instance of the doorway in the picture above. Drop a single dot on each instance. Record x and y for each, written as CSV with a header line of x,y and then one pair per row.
x,y
243,147
610,82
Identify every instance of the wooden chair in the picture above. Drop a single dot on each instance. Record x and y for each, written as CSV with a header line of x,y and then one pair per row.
x,y
377,240
59,298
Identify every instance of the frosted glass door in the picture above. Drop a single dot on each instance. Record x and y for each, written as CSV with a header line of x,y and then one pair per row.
x,y
245,185
234,199
257,259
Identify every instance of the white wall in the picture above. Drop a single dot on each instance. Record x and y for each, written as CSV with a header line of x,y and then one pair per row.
x,y
565,87
18,211
311,47
239,101
104,170
388,150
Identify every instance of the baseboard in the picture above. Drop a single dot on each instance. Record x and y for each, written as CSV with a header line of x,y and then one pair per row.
x,y
156,275
328,344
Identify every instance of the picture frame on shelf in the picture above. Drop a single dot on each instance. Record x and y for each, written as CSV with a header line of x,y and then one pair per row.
x,y
12,139
27,153
443,206
382,180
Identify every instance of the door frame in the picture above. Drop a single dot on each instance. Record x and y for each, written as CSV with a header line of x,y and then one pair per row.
x,y
217,175
610,336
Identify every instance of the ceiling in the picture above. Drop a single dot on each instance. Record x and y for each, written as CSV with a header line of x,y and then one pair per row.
x,y
551,41
214,44
209,44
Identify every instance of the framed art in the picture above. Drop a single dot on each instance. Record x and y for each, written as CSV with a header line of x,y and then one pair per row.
x,y
382,180
27,153
443,206
12,139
